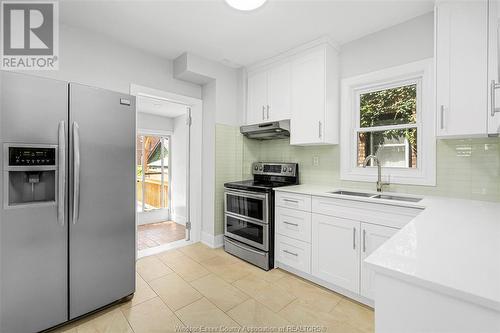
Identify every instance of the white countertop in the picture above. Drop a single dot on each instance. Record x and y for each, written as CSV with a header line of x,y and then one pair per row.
x,y
452,246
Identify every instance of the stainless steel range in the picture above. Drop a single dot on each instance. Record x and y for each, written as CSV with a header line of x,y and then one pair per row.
x,y
249,212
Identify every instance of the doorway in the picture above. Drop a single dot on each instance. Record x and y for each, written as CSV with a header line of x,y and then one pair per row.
x,y
162,163
154,192
190,206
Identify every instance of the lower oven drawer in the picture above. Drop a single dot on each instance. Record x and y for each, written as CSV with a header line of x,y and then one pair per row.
x,y
293,253
242,251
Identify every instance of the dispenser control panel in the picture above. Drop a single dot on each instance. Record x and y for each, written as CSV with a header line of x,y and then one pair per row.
x,y
31,156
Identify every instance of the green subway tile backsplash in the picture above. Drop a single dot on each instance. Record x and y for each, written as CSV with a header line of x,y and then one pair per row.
x,y
468,168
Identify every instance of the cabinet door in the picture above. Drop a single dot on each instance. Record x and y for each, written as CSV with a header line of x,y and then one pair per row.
x,y
279,92
372,236
308,99
493,66
461,68
335,251
257,98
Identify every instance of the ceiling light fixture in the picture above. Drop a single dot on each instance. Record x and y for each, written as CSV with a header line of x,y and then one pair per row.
x,y
245,5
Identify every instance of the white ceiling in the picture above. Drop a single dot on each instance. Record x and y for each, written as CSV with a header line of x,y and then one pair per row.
x,y
212,29
160,107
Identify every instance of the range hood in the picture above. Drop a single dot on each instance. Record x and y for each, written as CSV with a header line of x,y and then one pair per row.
x,y
267,131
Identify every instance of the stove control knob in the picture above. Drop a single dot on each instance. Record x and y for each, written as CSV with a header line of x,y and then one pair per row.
x,y
290,169
256,167
284,169
260,168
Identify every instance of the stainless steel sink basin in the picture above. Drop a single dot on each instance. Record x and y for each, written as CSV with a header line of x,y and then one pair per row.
x,y
377,196
355,194
395,197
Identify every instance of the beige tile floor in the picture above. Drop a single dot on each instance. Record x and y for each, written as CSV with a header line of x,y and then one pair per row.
x,y
193,287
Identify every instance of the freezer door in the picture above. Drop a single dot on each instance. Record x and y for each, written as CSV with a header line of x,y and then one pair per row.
x,y
102,198
33,243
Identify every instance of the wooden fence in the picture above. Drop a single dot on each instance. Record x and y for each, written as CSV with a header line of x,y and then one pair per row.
x,y
152,189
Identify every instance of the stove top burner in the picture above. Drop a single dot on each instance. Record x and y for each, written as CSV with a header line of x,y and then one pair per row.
x,y
267,176
256,183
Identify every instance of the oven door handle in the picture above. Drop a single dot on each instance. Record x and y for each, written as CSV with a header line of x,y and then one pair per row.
x,y
246,194
246,219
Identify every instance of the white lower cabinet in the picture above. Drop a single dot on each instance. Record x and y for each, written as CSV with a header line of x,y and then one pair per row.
x,y
336,251
372,236
329,239
293,253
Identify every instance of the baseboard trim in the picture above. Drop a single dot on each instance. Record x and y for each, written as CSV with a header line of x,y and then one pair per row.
x,y
211,240
179,219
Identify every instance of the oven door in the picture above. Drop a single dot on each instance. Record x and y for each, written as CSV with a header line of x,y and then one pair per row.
x,y
247,231
247,205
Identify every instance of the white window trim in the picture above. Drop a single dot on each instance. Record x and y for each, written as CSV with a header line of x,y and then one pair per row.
x,y
421,72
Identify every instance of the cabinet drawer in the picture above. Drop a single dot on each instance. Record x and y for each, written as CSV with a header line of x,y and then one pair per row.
x,y
293,223
375,213
293,253
294,201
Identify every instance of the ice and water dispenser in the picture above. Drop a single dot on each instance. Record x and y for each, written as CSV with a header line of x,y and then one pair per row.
x,y
30,173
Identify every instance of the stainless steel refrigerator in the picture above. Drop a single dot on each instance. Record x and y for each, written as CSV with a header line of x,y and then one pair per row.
x,y
67,217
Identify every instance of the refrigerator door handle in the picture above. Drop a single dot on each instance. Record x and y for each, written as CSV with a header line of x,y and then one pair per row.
x,y
61,202
76,172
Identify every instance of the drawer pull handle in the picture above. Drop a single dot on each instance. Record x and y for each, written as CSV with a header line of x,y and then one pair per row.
x,y
290,200
354,238
291,253
364,240
290,223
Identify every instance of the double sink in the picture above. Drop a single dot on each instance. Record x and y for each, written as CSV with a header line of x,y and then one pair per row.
x,y
377,196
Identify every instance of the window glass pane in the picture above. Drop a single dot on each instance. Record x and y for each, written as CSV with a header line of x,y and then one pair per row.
x,y
394,148
153,185
166,170
393,106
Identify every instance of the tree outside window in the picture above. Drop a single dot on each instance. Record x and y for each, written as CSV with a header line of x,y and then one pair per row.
x,y
388,126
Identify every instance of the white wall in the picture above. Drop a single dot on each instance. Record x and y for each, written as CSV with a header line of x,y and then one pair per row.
x,y
153,122
401,44
228,92
208,157
95,60
178,151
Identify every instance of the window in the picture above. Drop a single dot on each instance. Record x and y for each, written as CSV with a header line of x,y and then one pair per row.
x,y
152,172
387,125
389,114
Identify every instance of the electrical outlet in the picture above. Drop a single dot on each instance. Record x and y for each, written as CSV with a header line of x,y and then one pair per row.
x,y
316,161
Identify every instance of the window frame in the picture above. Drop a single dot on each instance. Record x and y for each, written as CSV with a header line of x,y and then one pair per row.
x,y
421,73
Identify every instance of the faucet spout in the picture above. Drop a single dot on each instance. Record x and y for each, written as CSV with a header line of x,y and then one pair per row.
x,y
379,170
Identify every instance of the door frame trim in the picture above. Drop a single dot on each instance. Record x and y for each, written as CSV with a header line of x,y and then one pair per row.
x,y
195,154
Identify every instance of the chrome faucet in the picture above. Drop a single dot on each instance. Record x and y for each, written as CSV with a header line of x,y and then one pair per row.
x,y
379,169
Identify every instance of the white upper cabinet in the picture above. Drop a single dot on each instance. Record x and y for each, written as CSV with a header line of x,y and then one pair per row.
x,y
257,98
463,76
269,95
279,92
303,87
315,109
493,66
